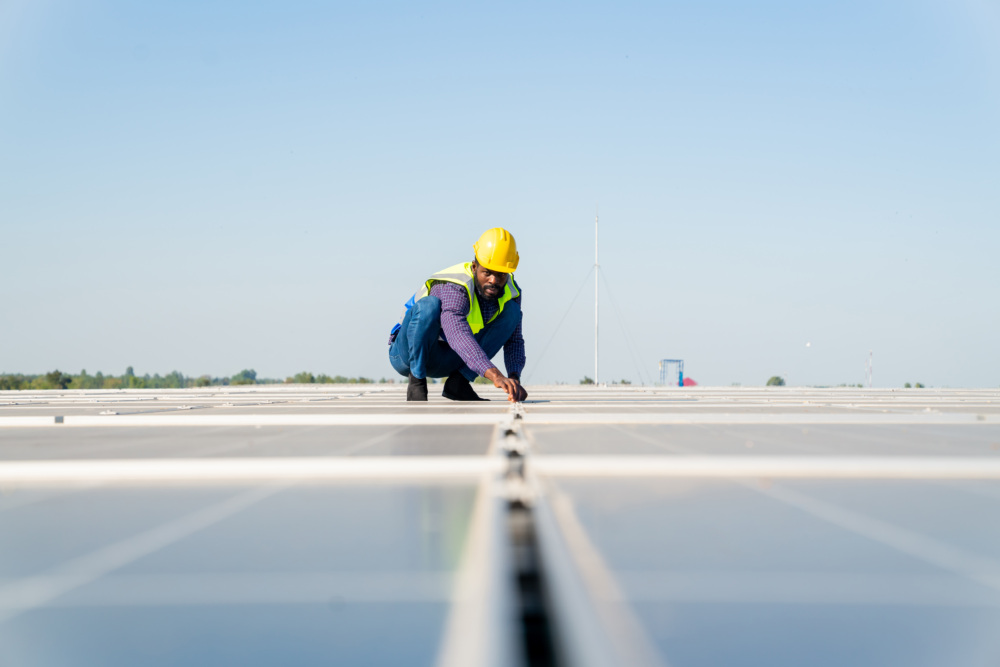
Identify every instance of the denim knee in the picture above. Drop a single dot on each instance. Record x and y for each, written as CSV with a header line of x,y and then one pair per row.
x,y
429,305
423,324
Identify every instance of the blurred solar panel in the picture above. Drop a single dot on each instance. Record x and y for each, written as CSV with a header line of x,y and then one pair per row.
x,y
673,526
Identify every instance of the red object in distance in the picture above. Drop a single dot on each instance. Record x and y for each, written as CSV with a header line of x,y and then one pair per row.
x,y
688,382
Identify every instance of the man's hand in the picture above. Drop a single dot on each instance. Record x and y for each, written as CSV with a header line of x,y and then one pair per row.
x,y
521,393
513,388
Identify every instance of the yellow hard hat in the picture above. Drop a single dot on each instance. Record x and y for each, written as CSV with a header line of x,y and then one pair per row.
x,y
496,250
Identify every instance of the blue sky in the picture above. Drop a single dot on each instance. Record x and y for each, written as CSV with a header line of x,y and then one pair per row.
x,y
212,186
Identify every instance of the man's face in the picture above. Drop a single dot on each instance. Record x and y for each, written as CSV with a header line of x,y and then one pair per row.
x,y
489,284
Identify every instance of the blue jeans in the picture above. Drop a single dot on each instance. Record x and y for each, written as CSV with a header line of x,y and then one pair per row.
x,y
417,349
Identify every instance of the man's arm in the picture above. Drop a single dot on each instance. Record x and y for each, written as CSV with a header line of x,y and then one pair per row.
x,y
513,349
454,310
514,359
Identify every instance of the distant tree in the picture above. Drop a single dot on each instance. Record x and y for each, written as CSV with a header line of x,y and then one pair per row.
x,y
245,376
173,380
918,386
586,380
907,386
625,382
58,380
96,381
52,380
776,381
80,381
8,382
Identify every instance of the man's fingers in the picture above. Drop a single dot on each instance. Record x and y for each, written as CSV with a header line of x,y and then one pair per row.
x,y
513,389
519,393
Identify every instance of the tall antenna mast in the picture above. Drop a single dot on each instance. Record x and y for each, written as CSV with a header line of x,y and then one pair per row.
x,y
597,268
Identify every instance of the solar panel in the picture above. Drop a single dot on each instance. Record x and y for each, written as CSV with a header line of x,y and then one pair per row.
x,y
587,526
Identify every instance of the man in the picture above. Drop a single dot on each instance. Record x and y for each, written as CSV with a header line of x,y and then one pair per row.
x,y
457,322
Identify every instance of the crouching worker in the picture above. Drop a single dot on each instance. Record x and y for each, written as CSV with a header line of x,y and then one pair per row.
x,y
459,320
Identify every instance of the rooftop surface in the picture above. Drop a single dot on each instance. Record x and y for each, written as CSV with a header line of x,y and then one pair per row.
x,y
334,524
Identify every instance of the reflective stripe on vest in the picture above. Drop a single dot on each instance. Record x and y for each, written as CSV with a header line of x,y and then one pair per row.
x,y
461,274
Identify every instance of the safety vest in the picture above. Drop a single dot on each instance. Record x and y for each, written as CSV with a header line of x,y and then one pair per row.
x,y
461,274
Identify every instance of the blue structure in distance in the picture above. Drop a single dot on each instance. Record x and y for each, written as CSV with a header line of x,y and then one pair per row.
x,y
665,370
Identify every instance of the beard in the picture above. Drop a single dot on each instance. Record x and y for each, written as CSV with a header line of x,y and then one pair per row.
x,y
481,293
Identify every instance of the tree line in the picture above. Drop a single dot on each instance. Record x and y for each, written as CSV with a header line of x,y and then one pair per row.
x,y
176,380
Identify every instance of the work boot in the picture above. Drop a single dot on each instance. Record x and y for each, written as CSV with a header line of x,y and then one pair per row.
x,y
416,390
457,388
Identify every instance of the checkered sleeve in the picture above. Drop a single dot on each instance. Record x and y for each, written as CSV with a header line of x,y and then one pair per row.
x,y
455,326
513,349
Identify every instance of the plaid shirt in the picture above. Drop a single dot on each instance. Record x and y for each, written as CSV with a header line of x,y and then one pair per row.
x,y
456,332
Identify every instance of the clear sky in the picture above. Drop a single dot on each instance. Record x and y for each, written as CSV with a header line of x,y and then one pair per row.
x,y
215,185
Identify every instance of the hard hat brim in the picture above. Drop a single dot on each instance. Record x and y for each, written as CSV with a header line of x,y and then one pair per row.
x,y
497,268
